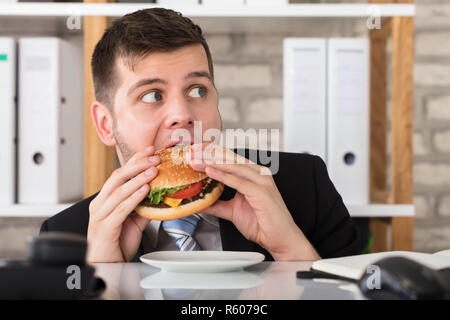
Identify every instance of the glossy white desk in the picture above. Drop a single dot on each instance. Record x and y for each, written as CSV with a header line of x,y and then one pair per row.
x,y
264,281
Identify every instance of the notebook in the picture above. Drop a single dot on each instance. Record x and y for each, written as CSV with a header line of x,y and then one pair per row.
x,y
353,267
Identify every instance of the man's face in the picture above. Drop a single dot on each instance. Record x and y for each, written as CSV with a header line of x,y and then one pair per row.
x,y
166,91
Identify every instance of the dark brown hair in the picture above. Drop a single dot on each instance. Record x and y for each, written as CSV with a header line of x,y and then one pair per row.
x,y
135,35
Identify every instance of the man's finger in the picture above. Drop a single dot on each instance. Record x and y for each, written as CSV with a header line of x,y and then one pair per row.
x,y
125,173
123,210
125,190
225,159
241,170
205,154
220,209
147,152
242,185
140,221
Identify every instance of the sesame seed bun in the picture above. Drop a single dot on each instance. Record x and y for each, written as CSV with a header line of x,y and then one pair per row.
x,y
174,171
184,210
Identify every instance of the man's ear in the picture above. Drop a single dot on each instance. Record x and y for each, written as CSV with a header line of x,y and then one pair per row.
x,y
103,123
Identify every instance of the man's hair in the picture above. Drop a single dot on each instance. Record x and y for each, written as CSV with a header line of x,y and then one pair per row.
x,y
136,35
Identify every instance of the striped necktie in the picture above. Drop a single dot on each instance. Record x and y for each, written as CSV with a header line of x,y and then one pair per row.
x,y
182,230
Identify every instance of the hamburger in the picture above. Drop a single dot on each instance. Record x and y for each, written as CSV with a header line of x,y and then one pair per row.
x,y
178,190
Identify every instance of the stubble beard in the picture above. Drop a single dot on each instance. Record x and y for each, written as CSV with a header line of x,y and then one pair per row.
x,y
125,150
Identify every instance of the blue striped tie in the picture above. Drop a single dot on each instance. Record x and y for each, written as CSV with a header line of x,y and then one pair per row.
x,y
182,231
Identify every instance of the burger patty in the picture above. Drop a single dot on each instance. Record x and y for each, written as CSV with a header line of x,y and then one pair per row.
x,y
207,188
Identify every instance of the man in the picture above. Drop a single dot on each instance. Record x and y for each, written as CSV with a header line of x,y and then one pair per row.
x,y
153,74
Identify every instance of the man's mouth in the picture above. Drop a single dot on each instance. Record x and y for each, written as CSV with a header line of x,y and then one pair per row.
x,y
179,143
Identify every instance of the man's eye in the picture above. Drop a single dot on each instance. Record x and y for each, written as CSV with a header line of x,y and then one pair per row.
x,y
153,96
197,92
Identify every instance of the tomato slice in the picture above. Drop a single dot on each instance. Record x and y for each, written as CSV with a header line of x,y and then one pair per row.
x,y
189,191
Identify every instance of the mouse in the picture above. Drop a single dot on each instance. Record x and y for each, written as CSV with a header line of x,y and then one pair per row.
x,y
401,278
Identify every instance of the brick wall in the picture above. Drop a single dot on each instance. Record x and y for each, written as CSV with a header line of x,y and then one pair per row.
x,y
248,69
432,126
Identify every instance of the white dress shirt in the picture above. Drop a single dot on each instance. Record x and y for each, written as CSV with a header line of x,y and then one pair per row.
x,y
207,235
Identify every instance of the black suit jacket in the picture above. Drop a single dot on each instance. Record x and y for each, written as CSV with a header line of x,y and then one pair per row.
x,y
308,192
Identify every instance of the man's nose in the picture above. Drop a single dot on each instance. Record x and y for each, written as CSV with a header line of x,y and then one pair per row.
x,y
179,116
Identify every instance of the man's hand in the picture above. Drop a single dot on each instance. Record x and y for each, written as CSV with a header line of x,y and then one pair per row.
x,y
114,233
257,210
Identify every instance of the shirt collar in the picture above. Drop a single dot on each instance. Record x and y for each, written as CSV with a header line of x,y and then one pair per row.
x,y
210,219
152,231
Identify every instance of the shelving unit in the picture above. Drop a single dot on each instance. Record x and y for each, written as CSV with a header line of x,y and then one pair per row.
x,y
393,207
290,10
36,210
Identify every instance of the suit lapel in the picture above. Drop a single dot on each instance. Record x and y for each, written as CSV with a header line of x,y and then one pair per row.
x,y
232,239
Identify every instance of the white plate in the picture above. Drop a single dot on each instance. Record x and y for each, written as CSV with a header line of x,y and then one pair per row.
x,y
202,261
225,280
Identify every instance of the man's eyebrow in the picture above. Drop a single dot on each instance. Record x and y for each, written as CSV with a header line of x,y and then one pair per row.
x,y
198,74
145,82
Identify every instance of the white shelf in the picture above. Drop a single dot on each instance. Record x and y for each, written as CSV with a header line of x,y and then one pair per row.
x,y
28,210
290,10
381,210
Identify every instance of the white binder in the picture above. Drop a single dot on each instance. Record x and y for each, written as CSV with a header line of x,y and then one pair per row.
x,y
50,131
304,64
348,118
7,120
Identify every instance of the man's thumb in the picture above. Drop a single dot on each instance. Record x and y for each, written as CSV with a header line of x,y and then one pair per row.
x,y
220,209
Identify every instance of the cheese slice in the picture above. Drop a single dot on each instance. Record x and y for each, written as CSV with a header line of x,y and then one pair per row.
x,y
174,203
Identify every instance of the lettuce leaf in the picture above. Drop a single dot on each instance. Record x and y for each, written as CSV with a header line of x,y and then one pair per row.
x,y
156,195
171,191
